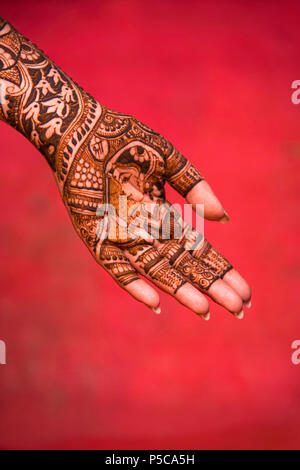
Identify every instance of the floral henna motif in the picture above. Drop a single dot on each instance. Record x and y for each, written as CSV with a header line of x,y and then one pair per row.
x,y
42,102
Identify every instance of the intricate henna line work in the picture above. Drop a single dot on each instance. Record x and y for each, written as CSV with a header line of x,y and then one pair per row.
x,y
86,226
99,155
196,271
118,265
40,100
52,103
149,259
155,266
213,259
181,174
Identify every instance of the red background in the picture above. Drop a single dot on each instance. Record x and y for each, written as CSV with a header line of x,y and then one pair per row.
x,y
87,366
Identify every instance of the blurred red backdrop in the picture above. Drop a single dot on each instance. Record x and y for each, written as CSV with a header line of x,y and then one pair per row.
x,y
87,367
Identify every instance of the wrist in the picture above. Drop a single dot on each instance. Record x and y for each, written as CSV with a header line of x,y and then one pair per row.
x,y
41,101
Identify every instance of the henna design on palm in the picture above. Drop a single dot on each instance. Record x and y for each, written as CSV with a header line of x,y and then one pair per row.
x,y
124,158
100,156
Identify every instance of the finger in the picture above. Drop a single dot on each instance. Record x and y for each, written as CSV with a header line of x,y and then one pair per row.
x,y
178,231
141,291
227,297
115,262
210,256
203,194
230,276
148,261
188,181
180,173
211,264
202,276
206,253
238,283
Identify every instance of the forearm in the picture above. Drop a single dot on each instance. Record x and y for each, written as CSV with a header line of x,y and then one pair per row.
x,y
41,101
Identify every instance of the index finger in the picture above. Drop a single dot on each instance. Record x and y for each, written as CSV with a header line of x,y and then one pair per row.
x,y
188,181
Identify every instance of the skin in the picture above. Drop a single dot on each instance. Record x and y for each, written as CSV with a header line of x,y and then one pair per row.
x,y
99,156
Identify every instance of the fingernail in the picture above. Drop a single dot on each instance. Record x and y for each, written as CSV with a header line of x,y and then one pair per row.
x,y
205,317
225,218
248,304
240,315
156,309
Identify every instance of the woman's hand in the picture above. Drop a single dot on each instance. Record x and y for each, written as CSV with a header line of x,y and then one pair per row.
x,y
114,191
111,170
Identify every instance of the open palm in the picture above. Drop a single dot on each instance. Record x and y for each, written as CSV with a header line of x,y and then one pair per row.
x,y
115,195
